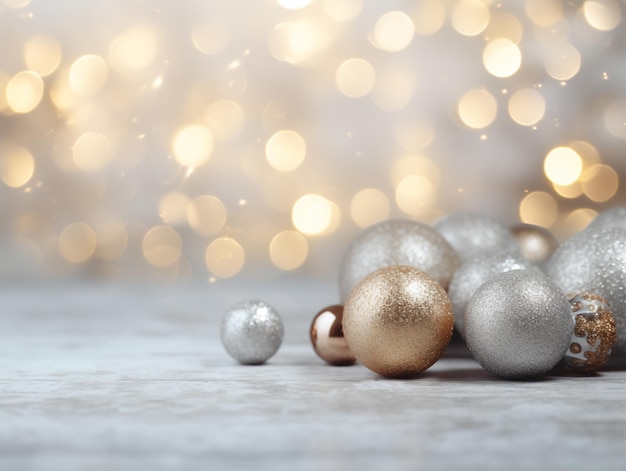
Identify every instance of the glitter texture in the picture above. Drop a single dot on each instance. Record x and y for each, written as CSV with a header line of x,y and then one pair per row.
x,y
594,261
594,333
252,332
475,272
474,235
518,324
397,242
535,243
398,321
614,217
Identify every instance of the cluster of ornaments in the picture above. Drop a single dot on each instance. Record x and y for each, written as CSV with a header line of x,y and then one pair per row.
x,y
523,303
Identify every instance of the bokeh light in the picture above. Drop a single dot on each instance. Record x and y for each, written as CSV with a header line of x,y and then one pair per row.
x,y
206,215
538,208
173,207
288,250
92,152
393,31
16,165
415,194
527,106
544,13
210,37
428,16
285,150
42,54
369,206
88,74
77,242
477,108
193,146
600,183
615,119
162,246
134,49
355,77
563,166
312,214
603,15
470,17
502,57
24,91
224,257
562,61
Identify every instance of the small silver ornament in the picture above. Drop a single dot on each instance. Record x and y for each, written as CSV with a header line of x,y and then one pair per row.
x,y
473,273
518,324
475,235
535,243
594,333
594,261
252,332
397,242
613,217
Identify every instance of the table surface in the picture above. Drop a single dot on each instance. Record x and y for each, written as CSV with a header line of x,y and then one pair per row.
x,y
100,377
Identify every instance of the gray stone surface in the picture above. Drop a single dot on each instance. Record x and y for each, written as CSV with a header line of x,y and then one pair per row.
x,y
96,377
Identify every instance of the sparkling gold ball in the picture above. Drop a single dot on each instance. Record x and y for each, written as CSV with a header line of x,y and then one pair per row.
x,y
535,243
398,321
594,333
327,337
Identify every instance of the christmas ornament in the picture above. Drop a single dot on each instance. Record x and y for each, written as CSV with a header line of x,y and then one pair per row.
x,y
397,242
594,261
327,337
594,333
535,243
614,217
252,332
518,324
473,273
474,235
398,321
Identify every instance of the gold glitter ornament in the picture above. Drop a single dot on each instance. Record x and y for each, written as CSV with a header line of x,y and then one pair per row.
x,y
327,337
398,321
594,333
535,243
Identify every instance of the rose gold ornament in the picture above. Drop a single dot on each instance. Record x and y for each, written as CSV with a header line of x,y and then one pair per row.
x,y
327,337
398,321
535,243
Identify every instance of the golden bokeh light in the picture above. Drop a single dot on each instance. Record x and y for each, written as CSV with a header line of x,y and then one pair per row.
x,y
355,77
312,214
470,17
77,242
393,31
206,215
42,54
571,191
193,146
504,25
16,165
562,61
88,74
415,194
393,91
134,49
600,183
615,119
603,15
477,108
527,106
24,91
298,42
587,152
415,165
225,119
173,207
544,12
369,206
502,57
285,150
562,166
342,10
578,220
112,239
428,16
162,246
288,250
538,208
92,152
224,257
210,37
335,219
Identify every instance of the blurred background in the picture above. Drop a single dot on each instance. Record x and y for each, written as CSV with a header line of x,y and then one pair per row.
x,y
206,140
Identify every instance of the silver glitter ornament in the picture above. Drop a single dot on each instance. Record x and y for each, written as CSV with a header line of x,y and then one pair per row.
x,y
613,217
518,324
594,261
594,333
474,235
473,273
252,332
397,242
